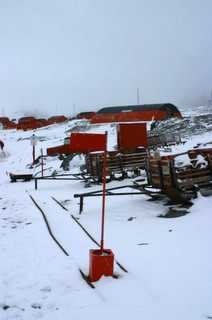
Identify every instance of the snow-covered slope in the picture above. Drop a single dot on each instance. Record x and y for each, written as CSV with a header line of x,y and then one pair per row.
x,y
168,260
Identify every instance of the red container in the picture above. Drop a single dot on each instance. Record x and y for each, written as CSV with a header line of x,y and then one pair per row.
x,y
100,264
132,136
87,142
63,149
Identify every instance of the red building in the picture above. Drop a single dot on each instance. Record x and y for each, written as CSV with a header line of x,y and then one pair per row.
x,y
146,112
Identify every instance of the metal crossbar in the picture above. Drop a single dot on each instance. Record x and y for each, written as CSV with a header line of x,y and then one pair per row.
x,y
109,192
68,177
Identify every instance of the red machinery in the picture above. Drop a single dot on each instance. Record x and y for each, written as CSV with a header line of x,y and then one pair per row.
x,y
130,155
101,260
78,143
131,136
85,142
63,149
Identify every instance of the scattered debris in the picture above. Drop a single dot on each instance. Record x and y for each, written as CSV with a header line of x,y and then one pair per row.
x,y
185,127
131,218
36,305
5,307
46,289
174,212
20,176
143,244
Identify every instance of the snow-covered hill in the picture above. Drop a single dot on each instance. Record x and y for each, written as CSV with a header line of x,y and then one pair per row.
x,y
168,260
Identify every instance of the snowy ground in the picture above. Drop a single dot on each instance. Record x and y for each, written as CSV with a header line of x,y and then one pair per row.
x,y
169,261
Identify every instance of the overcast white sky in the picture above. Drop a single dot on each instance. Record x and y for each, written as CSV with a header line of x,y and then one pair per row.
x,y
55,54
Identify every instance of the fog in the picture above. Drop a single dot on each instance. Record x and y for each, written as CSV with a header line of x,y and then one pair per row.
x,y
67,56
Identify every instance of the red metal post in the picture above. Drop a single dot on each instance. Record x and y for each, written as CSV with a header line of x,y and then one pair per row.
x,y
101,264
103,194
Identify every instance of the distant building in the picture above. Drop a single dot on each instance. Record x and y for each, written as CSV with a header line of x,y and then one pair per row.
x,y
85,115
145,112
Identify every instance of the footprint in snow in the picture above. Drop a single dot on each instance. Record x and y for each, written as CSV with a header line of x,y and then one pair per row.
x,y
46,289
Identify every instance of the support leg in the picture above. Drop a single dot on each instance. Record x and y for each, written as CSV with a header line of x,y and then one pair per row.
x,y
81,204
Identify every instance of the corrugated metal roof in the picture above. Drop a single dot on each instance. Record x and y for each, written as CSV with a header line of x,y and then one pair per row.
x,y
142,107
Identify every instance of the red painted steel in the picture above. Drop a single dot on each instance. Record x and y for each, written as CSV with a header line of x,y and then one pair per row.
x,y
103,201
103,194
87,142
10,125
26,120
7,123
30,123
132,136
80,143
57,119
130,116
101,261
63,149
100,264
85,115
4,119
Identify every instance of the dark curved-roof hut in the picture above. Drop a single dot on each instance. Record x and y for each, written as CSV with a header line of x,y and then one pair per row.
x,y
145,112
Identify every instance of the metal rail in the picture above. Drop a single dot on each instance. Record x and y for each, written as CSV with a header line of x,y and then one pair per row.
x,y
68,177
91,285
86,232
48,226
83,275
